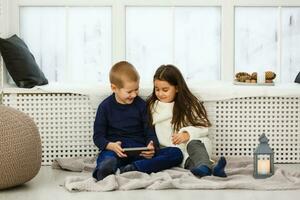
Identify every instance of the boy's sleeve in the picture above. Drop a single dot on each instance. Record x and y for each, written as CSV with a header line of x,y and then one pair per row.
x,y
149,130
152,136
100,128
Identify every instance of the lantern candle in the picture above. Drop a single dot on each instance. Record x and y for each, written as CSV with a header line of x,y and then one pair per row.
x,y
263,167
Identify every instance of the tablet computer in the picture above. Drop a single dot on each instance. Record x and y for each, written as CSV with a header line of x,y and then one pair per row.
x,y
134,151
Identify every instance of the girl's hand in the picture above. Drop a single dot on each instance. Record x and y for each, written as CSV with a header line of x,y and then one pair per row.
x,y
179,138
116,147
150,153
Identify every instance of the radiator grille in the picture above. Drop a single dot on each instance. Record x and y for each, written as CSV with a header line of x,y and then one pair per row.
x,y
65,122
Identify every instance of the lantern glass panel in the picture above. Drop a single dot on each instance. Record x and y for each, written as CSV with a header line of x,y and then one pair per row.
x,y
263,164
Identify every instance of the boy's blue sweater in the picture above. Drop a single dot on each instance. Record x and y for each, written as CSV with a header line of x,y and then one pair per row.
x,y
127,123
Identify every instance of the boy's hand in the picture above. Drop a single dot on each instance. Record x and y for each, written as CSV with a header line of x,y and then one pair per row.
x,y
178,138
116,147
150,153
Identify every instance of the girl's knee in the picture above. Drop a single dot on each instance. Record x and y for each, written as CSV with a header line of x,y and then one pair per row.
x,y
194,142
195,146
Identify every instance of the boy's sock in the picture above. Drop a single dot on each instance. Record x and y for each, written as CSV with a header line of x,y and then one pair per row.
x,y
127,168
107,167
201,171
218,169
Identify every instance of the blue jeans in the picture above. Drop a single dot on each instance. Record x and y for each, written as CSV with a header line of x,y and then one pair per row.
x,y
164,158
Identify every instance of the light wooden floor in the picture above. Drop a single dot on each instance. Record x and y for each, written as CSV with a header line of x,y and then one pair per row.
x,y
46,186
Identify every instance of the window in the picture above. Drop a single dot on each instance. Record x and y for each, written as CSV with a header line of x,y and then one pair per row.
x,y
268,38
70,44
78,41
188,37
290,44
256,39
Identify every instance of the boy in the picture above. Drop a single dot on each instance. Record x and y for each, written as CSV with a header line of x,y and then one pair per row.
x,y
121,121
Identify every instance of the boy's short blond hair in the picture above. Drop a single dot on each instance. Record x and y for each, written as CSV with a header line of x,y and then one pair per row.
x,y
121,72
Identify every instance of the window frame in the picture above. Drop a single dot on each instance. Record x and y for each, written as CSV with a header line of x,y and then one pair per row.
x,y
9,13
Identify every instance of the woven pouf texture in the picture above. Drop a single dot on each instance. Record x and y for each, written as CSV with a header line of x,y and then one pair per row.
x,y
20,148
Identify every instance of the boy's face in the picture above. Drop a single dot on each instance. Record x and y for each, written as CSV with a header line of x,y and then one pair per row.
x,y
126,94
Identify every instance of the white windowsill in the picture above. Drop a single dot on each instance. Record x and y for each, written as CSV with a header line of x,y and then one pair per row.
x,y
207,91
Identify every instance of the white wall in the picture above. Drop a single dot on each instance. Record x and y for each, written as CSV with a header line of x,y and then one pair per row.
x,y
4,31
4,18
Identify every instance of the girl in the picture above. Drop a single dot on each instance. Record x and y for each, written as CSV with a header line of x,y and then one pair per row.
x,y
180,119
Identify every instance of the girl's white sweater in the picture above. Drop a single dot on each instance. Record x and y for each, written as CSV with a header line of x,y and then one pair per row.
x,y
162,115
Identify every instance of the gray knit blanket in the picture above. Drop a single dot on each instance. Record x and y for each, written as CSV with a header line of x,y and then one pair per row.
x,y
239,173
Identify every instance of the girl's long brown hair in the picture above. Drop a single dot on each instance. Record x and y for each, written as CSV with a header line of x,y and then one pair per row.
x,y
188,110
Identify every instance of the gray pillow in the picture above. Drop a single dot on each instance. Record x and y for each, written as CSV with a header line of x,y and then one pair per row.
x,y
20,63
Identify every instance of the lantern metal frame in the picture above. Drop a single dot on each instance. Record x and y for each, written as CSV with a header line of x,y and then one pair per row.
x,y
263,149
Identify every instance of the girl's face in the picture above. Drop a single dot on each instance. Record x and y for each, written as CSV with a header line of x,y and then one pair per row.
x,y
164,91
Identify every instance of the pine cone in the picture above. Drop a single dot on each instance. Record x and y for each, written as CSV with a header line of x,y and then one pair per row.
x,y
242,76
254,75
269,75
